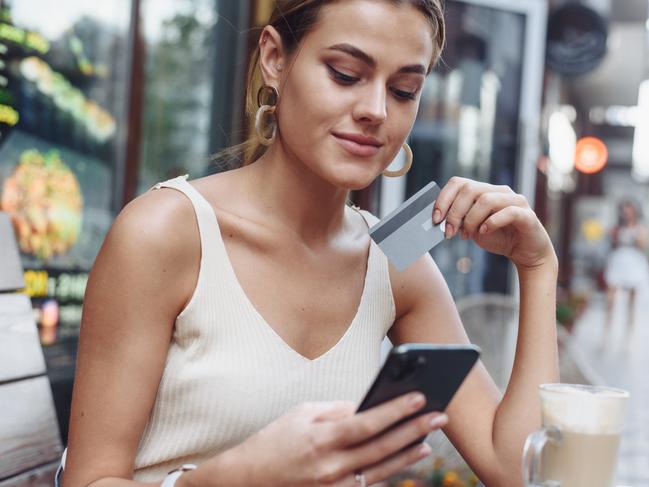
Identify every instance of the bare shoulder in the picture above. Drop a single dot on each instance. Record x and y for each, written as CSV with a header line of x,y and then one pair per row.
x,y
154,238
223,190
238,214
157,215
425,310
220,183
421,280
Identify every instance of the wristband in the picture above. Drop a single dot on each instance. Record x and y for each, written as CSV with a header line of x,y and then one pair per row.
x,y
170,479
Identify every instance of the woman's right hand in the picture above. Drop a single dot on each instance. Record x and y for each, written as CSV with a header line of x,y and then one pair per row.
x,y
317,444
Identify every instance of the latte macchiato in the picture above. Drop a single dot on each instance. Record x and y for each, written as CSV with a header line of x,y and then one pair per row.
x,y
581,460
578,444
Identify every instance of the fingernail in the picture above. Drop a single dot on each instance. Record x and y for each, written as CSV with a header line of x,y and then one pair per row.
x,y
439,421
417,400
449,230
465,234
437,216
483,229
425,450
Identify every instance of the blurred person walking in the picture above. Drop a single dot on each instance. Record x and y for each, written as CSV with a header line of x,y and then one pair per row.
x,y
626,268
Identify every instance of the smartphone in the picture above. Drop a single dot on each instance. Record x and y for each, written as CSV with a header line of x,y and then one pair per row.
x,y
437,371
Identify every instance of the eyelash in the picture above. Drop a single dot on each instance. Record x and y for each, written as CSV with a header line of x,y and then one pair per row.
x,y
343,78
349,80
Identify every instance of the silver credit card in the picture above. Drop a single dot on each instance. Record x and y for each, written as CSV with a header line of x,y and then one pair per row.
x,y
408,232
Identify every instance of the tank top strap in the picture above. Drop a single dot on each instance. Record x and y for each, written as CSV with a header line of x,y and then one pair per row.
x,y
370,220
208,227
379,275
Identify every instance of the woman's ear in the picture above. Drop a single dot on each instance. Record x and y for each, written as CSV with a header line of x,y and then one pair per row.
x,y
271,56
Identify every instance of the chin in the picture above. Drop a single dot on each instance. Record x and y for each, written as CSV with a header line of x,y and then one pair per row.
x,y
355,182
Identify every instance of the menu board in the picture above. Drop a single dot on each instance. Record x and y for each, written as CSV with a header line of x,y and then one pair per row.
x,y
62,92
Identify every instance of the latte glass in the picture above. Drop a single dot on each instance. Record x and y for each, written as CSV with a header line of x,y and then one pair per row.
x,y
579,441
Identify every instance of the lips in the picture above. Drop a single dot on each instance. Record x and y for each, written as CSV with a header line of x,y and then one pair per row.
x,y
358,145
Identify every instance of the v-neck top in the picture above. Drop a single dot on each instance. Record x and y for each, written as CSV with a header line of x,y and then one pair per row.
x,y
228,373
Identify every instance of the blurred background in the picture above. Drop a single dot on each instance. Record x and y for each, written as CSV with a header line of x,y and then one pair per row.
x,y
101,100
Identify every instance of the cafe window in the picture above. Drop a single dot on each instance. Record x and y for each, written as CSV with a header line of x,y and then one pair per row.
x,y
470,123
63,94
195,67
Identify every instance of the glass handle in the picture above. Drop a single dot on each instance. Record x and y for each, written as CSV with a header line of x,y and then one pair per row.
x,y
532,456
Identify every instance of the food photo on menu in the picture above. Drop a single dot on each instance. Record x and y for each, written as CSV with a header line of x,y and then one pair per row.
x,y
60,101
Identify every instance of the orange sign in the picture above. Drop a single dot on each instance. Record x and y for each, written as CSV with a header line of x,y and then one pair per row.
x,y
591,155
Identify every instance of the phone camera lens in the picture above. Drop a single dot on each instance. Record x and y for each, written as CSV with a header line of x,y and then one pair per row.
x,y
409,370
407,366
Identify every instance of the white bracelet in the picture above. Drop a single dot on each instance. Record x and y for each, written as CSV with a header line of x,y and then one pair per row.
x,y
170,479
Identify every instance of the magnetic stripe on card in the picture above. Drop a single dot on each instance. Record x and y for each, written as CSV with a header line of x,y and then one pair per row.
x,y
405,212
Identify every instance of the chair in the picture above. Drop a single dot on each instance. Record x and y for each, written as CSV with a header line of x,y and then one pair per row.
x,y
30,445
490,321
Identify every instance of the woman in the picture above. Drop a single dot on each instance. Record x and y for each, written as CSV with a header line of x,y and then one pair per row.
x,y
201,341
626,267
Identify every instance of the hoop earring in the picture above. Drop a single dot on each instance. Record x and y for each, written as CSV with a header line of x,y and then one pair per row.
x,y
406,167
267,97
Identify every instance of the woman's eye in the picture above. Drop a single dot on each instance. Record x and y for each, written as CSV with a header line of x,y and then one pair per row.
x,y
405,95
342,77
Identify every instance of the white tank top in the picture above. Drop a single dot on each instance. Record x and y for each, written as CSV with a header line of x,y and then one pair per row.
x,y
228,373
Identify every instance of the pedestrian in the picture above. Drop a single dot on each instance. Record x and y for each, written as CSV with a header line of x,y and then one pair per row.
x,y
626,267
232,323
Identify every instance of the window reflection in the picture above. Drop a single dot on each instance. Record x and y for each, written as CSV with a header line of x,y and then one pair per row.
x,y
190,98
468,126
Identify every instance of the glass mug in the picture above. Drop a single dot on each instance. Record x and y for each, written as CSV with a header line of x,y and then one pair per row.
x,y
578,443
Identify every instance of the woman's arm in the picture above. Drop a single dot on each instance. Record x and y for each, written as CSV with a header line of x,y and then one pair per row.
x,y
614,234
487,429
144,274
642,237
536,362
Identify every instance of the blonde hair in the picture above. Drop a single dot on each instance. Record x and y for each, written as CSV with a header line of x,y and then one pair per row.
x,y
293,19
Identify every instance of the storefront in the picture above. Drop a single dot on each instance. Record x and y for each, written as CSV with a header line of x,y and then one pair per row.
x,y
94,109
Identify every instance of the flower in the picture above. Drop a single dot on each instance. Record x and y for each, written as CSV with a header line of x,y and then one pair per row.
x,y
452,479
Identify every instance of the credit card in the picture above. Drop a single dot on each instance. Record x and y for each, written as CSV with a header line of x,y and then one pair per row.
x,y
408,232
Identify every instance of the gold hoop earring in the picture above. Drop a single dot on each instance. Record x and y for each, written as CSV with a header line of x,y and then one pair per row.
x,y
267,98
263,140
406,167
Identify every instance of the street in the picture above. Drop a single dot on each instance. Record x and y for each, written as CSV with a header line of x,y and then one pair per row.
x,y
622,362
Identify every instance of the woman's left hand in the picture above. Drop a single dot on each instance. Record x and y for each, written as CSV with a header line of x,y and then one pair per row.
x,y
497,219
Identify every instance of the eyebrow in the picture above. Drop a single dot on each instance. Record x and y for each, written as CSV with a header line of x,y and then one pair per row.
x,y
371,62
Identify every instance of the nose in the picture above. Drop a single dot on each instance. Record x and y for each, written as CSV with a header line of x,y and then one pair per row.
x,y
371,107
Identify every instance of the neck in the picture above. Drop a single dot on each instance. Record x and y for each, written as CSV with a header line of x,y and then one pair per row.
x,y
294,197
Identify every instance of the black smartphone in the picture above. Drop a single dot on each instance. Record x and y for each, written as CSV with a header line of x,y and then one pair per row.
x,y
437,371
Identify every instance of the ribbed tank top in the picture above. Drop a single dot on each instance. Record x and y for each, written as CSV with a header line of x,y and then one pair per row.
x,y
228,373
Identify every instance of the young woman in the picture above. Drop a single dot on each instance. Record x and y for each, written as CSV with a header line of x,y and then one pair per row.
x,y
224,315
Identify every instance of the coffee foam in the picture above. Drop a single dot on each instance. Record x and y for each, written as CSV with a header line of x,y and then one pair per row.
x,y
583,409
